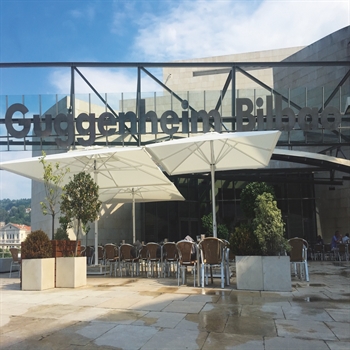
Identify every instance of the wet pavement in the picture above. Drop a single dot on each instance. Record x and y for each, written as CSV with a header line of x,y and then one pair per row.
x,y
151,313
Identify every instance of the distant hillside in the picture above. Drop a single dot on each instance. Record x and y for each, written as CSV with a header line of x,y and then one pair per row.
x,y
16,211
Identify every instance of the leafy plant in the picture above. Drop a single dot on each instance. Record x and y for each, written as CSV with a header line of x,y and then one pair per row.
x,y
207,223
249,195
61,235
80,201
269,226
53,178
264,234
243,240
37,245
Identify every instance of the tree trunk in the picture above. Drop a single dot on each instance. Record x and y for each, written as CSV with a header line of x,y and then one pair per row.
x,y
53,226
76,242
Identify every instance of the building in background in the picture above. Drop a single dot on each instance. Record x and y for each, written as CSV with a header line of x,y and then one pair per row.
x,y
12,235
301,91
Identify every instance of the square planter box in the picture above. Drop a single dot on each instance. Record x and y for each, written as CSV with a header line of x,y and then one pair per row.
x,y
38,274
269,273
71,272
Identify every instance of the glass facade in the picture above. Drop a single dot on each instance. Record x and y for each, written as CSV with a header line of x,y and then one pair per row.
x,y
176,220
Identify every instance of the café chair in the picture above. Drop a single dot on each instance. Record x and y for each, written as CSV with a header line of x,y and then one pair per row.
x,y
298,257
187,251
154,257
212,251
129,259
112,257
170,258
16,260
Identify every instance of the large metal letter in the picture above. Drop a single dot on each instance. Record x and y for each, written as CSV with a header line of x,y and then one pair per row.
x,y
17,107
90,130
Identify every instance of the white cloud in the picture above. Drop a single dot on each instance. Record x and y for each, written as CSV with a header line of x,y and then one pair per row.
x,y
11,185
210,28
103,80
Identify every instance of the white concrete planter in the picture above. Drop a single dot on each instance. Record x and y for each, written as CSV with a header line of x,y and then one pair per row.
x,y
71,272
38,274
270,273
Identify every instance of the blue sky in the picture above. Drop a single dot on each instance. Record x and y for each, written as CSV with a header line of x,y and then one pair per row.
x,y
143,31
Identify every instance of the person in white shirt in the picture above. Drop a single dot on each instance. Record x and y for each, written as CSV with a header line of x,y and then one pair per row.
x,y
346,238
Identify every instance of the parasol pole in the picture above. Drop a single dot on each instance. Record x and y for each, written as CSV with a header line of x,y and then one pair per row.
x,y
212,173
133,216
96,221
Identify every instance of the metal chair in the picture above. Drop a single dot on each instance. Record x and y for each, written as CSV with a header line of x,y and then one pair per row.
x,y
143,259
170,258
212,254
129,258
342,252
112,257
89,253
185,249
16,260
101,255
318,252
298,257
154,257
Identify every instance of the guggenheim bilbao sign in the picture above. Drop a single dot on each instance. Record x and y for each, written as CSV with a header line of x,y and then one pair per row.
x,y
64,127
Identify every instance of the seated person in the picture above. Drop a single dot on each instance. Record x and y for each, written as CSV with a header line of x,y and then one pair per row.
x,y
319,240
346,239
335,240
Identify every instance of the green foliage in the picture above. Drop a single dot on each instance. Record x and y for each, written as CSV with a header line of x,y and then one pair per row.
x,y
249,195
61,235
80,201
14,210
5,253
264,235
53,178
37,245
207,224
244,242
269,226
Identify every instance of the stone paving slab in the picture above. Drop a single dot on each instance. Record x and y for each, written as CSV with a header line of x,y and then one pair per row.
x,y
156,313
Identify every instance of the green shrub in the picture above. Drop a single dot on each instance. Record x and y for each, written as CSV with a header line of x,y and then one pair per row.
x,y
61,235
37,245
207,223
269,226
244,242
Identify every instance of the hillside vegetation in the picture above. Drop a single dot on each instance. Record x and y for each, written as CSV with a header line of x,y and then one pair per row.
x,y
14,210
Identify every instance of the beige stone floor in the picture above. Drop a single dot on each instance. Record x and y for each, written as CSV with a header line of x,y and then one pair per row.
x,y
150,313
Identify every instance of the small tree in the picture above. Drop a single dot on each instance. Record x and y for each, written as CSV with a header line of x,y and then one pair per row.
x,y
249,195
269,226
53,178
80,201
207,223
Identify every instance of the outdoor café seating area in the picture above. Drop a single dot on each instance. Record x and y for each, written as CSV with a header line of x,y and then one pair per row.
x,y
208,258
324,252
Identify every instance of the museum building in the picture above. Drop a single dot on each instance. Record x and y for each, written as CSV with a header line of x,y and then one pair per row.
x,y
304,92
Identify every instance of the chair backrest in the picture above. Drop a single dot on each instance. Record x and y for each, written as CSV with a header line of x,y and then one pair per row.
x,y
143,252
101,252
342,248
82,250
89,251
318,248
170,251
327,248
212,250
128,252
297,253
184,249
111,251
14,253
153,251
